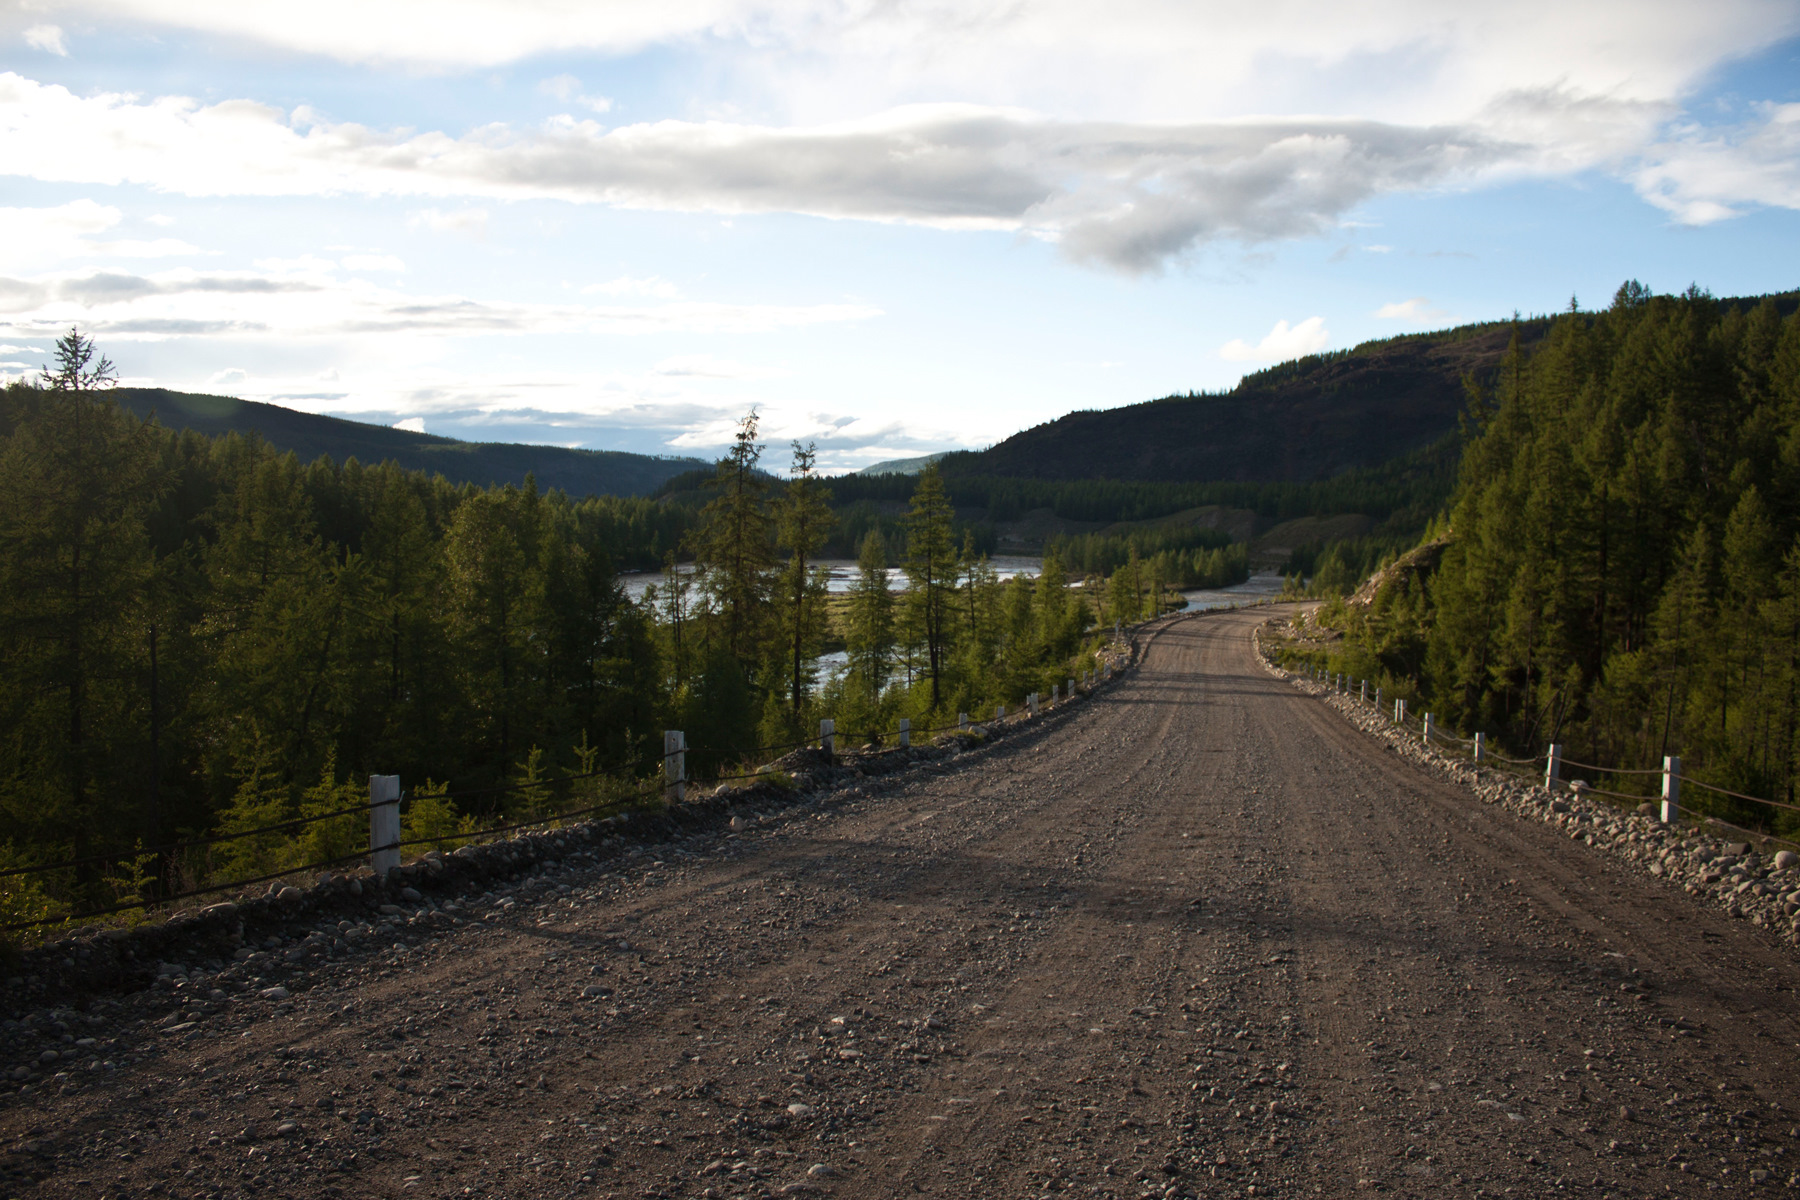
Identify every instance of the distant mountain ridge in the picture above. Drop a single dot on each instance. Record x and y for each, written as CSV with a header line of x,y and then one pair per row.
x,y
1310,419
308,435
902,466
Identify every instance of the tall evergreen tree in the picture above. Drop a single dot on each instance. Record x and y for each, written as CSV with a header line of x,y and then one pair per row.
x,y
869,636
803,521
931,568
76,485
735,547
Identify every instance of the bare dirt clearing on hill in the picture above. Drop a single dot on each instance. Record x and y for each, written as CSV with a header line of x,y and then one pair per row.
x,y
1196,936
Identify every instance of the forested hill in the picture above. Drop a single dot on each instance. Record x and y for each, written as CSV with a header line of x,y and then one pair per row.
x,y
1620,568
1305,420
485,464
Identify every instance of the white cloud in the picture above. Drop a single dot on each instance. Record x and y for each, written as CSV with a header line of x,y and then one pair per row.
x,y
31,237
1418,310
1700,176
373,262
1126,196
1308,337
306,298
1401,59
567,88
707,366
470,222
47,38
625,285
411,424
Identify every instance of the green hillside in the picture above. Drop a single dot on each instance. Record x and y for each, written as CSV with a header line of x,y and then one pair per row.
x,y
577,472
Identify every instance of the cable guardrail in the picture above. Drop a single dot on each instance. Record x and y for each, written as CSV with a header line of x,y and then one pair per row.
x,y
1569,762
1553,763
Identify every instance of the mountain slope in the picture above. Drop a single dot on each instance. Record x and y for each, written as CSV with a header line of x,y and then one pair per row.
x,y
578,472
1310,419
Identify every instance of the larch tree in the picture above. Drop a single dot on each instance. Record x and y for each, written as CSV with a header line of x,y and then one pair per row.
x,y
735,546
931,568
803,522
870,634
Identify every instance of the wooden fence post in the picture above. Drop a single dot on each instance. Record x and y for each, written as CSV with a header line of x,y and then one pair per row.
x,y
1000,712
1425,729
1671,797
1400,711
674,765
1071,689
1553,766
1031,703
905,732
384,822
1480,751
962,721
828,736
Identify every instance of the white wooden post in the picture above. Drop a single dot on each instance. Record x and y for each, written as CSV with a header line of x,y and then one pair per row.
x,y
1031,703
1363,693
1480,751
384,822
1055,692
1553,766
1378,699
675,765
962,720
1000,712
828,736
1400,711
1425,729
1071,689
905,732
1671,800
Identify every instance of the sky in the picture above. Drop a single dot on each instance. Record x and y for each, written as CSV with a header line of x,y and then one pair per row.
x,y
887,226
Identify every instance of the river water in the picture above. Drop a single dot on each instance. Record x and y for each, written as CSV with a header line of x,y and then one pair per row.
x,y
843,573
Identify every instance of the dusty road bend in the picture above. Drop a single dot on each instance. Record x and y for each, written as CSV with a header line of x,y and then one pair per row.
x,y
1198,937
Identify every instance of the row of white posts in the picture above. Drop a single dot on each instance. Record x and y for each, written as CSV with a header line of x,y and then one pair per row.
x,y
1553,757
384,790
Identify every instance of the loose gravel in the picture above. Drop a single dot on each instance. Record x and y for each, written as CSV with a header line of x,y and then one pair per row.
x,y
1197,936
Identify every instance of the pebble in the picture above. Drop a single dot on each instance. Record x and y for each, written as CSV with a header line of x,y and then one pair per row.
x,y
820,1170
289,894
1785,859
797,1109
274,993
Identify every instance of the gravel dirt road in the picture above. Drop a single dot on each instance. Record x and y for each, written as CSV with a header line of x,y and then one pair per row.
x,y
1196,936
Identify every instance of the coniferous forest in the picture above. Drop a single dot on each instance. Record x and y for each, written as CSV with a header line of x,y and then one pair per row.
x,y
202,636
1619,567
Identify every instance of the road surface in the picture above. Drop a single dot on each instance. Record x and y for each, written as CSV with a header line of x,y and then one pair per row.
x,y
1194,937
